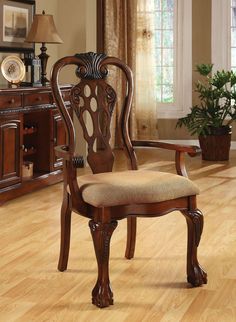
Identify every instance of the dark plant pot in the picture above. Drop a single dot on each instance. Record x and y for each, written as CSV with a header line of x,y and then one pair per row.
x,y
216,146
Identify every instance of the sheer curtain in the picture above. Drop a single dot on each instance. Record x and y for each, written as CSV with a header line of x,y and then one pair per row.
x,y
129,35
145,107
120,41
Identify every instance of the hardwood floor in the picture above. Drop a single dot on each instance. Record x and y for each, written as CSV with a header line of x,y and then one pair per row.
x,y
150,287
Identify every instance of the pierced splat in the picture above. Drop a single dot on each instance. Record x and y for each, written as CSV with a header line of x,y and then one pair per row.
x,y
93,104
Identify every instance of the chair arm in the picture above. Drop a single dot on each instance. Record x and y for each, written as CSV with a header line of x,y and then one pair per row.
x,y
192,150
179,152
62,151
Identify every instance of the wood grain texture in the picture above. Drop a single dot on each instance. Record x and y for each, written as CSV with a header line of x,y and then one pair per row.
x,y
150,287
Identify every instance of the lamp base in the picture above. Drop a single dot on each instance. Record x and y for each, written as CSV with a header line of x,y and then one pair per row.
x,y
44,59
45,81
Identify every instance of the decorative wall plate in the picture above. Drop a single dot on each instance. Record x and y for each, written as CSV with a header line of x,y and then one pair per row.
x,y
13,69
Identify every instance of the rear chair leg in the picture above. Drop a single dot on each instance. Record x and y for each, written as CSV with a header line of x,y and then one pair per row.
x,y
195,274
102,295
131,237
65,233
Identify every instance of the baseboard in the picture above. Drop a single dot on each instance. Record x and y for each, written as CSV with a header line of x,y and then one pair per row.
x,y
194,142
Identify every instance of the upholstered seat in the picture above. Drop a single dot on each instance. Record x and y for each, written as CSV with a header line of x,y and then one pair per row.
x,y
133,187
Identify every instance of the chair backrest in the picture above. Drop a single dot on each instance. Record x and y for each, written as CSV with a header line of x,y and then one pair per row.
x,y
93,98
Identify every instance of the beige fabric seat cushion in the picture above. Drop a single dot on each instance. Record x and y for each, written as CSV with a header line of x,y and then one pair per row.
x,y
133,187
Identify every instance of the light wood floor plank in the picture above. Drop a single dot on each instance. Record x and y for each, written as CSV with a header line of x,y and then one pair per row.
x,y
151,287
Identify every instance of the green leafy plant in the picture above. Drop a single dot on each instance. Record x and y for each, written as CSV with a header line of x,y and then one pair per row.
x,y
217,108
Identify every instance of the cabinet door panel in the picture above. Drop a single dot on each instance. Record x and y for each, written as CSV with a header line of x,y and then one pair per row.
x,y
10,152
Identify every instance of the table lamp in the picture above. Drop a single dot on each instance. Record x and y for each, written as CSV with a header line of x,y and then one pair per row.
x,y
43,30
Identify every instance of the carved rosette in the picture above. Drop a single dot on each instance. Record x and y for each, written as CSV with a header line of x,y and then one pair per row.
x,y
91,66
76,99
111,98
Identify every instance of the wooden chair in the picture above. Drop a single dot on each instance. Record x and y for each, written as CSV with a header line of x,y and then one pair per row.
x,y
105,196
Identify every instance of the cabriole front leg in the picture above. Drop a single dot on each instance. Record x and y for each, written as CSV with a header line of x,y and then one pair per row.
x,y
102,295
195,274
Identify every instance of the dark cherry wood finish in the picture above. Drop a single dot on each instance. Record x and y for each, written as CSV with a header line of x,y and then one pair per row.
x,y
58,138
10,151
96,99
30,128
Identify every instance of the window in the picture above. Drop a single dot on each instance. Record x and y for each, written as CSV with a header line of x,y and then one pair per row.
x,y
233,35
223,31
173,57
165,50
224,34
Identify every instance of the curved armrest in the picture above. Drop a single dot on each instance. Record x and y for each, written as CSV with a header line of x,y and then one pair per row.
x,y
179,152
192,150
62,151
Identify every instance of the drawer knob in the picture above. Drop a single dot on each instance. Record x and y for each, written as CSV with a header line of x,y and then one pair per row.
x,y
54,140
11,101
39,98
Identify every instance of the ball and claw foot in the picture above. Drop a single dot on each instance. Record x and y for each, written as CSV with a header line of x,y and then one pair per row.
x,y
102,297
198,277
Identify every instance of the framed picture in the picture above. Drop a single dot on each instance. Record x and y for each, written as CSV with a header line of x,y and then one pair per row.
x,y
16,17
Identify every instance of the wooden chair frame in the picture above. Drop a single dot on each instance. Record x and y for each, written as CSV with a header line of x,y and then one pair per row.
x,y
92,72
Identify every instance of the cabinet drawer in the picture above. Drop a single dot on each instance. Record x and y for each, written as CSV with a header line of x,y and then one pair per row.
x,y
37,99
10,101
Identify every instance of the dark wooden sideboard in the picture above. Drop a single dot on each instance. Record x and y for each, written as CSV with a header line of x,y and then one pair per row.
x,y
30,128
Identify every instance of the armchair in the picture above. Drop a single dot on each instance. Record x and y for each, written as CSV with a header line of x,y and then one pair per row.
x,y
105,197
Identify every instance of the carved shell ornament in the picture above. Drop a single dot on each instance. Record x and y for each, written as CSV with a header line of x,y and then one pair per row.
x,y
92,68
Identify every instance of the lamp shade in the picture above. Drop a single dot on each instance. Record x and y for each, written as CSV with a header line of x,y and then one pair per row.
x,y
43,30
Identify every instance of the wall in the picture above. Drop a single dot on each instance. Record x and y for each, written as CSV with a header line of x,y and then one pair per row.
x,y
91,25
72,29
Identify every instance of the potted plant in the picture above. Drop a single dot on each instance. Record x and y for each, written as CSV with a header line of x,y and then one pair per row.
x,y
211,119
